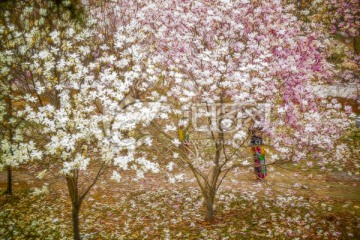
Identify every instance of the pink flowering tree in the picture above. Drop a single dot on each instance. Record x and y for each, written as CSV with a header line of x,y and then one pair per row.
x,y
338,22
249,60
343,20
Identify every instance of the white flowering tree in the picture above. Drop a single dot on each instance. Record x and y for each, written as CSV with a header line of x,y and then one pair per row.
x,y
15,148
82,96
234,67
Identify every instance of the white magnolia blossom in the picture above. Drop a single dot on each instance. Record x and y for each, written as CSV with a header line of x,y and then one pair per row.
x,y
176,142
170,166
116,176
86,97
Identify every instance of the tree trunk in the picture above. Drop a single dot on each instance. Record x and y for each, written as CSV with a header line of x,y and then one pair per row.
x,y
209,209
9,180
72,183
75,218
78,197
357,44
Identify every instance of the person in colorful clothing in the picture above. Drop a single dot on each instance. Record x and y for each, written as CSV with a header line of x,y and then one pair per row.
x,y
259,156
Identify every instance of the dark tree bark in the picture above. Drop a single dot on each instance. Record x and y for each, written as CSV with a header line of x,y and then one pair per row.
x,y
357,44
9,181
75,218
209,209
72,183
77,196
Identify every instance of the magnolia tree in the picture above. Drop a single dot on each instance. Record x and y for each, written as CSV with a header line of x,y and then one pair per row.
x,y
15,150
338,24
338,21
233,67
80,95
15,147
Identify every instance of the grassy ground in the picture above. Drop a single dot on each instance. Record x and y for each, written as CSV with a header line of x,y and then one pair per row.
x,y
290,204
